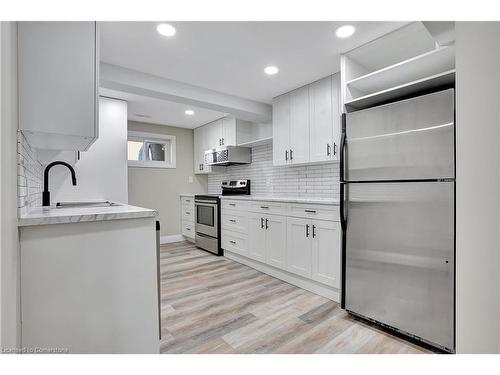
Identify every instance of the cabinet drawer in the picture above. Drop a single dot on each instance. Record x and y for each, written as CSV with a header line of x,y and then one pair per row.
x,y
314,211
234,204
267,207
235,242
187,229
187,213
235,221
187,201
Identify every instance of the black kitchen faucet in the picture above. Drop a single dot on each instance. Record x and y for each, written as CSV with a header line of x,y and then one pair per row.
x,y
46,193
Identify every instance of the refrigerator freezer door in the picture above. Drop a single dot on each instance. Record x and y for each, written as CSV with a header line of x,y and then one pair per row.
x,y
408,140
399,256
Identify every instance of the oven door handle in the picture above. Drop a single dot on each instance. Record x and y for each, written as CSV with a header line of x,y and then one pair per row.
x,y
203,235
205,202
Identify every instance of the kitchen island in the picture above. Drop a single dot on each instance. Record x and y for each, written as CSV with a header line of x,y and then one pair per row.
x,y
89,279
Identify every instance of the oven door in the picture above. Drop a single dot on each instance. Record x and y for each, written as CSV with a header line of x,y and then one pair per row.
x,y
206,218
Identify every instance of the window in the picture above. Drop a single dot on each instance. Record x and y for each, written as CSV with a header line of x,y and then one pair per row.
x,y
151,150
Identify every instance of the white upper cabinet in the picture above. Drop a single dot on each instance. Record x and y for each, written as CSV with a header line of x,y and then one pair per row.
x,y
306,123
197,147
221,132
281,129
299,125
214,134
228,131
321,119
336,116
201,144
58,83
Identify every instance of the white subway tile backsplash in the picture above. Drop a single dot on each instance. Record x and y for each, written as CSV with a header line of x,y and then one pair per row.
x,y
29,175
317,181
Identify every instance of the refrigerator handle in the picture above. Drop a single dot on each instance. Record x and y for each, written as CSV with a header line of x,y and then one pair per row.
x,y
343,226
343,206
342,147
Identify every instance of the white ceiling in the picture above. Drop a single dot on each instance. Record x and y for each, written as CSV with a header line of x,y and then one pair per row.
x,y
163,112
230,56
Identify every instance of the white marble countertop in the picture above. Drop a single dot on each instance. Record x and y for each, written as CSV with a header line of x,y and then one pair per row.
x,y
187,194
52,215
282,199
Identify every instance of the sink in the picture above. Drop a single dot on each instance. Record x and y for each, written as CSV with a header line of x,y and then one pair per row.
x,y
87,204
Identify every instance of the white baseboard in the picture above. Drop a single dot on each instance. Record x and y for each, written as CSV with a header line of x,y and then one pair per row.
x,y
301,282
171,238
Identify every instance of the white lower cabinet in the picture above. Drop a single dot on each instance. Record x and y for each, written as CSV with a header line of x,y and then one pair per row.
x,y
276,241
267,239
187,217
314,249
326,247
298,246
299,243
235,242
257,237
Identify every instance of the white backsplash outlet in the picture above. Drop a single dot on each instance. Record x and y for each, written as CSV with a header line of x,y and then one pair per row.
x,y
311,181
29,176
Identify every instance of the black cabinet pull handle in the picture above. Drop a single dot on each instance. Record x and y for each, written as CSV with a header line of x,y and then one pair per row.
x,y
223,141
291,154
334,148
314,231
267,224
328,149
262,223
307,230
286,154
310,211
266,207
232,220
232,204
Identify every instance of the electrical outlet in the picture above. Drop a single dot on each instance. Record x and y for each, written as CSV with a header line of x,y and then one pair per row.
x,y
190,179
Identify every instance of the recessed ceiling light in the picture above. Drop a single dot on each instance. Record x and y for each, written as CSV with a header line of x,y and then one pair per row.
x,y
345,31
271,70
165,29
189,112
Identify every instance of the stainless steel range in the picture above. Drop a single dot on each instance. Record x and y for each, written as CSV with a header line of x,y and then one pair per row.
x,y
207,215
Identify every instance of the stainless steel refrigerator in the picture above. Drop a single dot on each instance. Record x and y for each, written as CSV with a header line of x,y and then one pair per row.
x,y
398,216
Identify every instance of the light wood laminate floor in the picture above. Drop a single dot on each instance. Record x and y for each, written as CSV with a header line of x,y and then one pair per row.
x,y
212,304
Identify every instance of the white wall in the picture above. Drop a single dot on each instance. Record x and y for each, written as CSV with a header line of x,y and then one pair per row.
x,y
478,182
312,181
159,188
9,243
101,172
